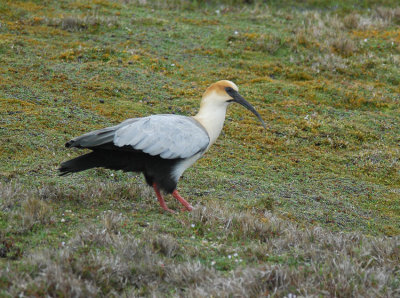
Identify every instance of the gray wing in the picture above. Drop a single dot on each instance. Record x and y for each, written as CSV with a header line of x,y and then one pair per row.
x,y
170,136
98,137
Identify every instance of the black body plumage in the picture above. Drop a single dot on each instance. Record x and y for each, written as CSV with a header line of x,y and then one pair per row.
x,y
127,159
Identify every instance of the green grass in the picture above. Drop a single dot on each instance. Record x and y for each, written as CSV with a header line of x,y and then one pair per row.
x,y
323,178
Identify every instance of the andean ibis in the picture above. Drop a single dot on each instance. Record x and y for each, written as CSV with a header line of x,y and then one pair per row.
x,y
161,146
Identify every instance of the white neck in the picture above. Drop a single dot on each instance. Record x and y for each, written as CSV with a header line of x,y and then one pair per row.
x,y
212,118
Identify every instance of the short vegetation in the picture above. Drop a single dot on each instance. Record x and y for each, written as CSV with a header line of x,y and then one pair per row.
x,y
309,207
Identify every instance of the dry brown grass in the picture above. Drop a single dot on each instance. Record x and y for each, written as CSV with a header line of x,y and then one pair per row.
x,y
354,263
328,33
34,211
329,62
351,21
389,15
11,194
382,17
343,45
97,192
239,225
76,23
25,208
269,43
257,42
332,40
317,262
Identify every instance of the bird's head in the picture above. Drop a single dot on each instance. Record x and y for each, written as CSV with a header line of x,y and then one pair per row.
x,y
223,93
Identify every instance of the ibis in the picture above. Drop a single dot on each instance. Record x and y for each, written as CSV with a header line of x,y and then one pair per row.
x,y
160,146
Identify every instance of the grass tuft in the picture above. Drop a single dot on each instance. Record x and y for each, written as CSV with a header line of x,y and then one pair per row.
x,y
351,21
166,245
323,263
35,211
74,23
344,46
388,14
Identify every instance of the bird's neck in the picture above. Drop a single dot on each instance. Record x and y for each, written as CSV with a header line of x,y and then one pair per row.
x,y
212,118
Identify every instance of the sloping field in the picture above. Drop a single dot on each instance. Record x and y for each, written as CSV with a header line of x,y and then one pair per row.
x,y
310,206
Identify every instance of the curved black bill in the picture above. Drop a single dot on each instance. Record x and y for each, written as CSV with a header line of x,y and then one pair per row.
x,y
239,99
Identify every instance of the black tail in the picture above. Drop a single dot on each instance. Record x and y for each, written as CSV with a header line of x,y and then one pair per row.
x,y
133,161
81,163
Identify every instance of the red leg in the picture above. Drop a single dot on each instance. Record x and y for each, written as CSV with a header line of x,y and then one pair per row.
x,y
176,195
161,199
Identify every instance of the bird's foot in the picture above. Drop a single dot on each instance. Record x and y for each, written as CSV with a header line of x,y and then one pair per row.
x,y
187,209
169,210
161,199
187,206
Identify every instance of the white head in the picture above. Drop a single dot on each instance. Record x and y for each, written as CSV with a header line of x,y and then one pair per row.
x,y
221,94
216,93
214,103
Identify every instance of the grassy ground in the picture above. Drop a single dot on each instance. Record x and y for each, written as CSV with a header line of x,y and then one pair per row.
x,y
309,207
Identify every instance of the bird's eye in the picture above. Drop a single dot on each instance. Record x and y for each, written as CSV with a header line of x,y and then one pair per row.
x,y
228,89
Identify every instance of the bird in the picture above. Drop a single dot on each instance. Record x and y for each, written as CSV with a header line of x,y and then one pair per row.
x,y
160,146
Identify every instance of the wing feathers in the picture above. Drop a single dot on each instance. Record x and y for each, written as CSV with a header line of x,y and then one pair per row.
x,y
98,137
94,138
170,136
